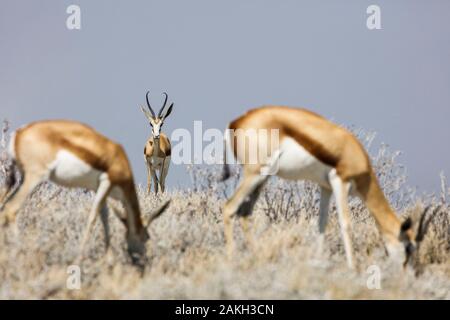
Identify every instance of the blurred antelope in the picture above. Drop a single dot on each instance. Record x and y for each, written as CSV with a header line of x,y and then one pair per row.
x,y
312,148
72,154
157,149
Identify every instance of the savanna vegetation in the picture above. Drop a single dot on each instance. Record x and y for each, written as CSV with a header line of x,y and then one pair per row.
x,y
187,257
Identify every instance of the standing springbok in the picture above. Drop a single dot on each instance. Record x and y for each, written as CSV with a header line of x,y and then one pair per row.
x,y
72,154
157,149
309,147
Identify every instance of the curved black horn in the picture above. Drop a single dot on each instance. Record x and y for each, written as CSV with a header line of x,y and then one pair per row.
x,y
420,229
162,108
148,104
424,224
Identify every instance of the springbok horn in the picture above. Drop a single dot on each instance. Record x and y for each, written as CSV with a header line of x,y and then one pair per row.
x,y
148,104
169,110
162,108
156,213
421,230
424,224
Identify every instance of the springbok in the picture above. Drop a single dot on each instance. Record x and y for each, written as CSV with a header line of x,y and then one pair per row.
x,y
157,149
72,154
309,147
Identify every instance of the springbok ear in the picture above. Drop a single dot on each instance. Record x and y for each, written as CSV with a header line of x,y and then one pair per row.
x,y
168,111
147,114
156,213
407,224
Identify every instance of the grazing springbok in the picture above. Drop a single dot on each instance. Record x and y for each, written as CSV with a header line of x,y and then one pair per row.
x,y
157,149
72,154
309,147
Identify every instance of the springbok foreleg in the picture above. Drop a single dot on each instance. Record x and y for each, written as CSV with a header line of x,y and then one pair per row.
x,y
325,195
341,190
99,202
149,175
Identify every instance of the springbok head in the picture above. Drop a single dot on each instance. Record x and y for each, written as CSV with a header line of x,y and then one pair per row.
x,y
413,232
156,122
137,243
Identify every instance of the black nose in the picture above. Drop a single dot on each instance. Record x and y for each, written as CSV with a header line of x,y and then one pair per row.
x,y
138,259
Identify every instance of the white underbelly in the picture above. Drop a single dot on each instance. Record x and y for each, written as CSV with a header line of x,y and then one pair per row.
x,y
296,163
70,171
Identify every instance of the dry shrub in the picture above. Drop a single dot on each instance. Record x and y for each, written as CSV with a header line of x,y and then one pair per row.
x,y
186,250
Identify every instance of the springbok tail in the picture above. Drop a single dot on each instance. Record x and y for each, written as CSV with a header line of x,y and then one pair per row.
x,y
226,168
225,173
10,180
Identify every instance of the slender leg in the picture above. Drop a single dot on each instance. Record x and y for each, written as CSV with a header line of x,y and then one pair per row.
x,y
155,180
161,176
16,200
149,176
10,182
164,171
246,228
246,188
104,219
340,190
325,195
9,195
246,209
118,212
99,201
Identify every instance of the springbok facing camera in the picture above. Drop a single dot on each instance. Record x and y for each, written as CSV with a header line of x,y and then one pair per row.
x,y
157,149
72,154
310,147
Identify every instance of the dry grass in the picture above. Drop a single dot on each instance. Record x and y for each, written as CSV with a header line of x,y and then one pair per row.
x,y
186,250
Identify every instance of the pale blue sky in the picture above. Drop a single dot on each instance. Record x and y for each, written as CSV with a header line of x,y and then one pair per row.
x,y
218,58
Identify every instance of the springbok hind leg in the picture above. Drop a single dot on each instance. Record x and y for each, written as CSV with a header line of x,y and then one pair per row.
x,y
242,195
17,198
163,175
325,195
340,190
99,202
104,215
244,212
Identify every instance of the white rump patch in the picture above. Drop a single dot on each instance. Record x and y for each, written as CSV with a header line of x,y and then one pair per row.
x,y
71,171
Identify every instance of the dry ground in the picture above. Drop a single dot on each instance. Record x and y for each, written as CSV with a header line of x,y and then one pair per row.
x,y
187,258
186,250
